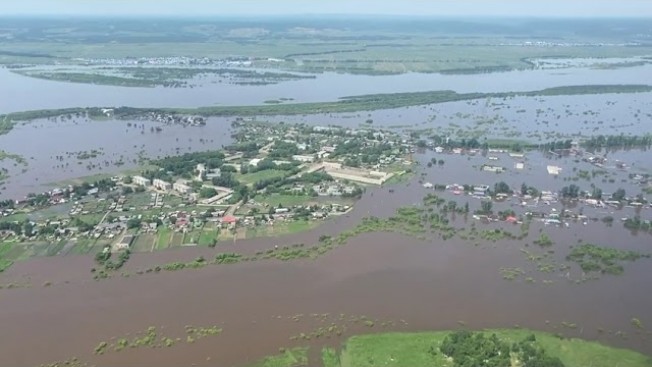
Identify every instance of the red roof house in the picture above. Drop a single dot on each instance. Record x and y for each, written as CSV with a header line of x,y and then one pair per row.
x,y
229,219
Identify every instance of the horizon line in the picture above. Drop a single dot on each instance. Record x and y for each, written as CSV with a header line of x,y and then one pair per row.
x,y
297,15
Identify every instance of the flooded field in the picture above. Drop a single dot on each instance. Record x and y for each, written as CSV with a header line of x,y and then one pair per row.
x,y
120,145
21,93
400,282
519,118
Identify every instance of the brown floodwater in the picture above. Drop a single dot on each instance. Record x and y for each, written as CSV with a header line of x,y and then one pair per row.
x,y
419,285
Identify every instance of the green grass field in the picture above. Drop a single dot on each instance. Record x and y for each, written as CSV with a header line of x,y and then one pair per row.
x,y
143,243
411,349
164,236
288,358
207,236
251,178
177,239
9,252
280,229
330,357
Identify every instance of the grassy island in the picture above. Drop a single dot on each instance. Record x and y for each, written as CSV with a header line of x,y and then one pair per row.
x,y
459,348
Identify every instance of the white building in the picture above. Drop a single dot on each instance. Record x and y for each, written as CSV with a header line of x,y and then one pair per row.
x,y
141,181
181,187
304,158
162,185
254,161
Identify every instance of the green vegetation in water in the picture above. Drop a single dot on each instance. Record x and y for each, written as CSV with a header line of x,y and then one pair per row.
x,y
15,157
148,77
152,338
346,104
544,240
70,362
89,78
330,357
424,349
592,258
294,357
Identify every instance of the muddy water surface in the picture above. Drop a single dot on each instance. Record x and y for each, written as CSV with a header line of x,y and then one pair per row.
x,y
420,285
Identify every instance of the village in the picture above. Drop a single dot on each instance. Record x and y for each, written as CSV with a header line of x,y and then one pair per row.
x,y
277,179
274,180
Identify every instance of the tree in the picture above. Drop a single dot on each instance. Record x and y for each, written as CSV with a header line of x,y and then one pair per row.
x,y
487,206
570,192
28,228
127,180
134,223
597,193
502,188
619,195
207,192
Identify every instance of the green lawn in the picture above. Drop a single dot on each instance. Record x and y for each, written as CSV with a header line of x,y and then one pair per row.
x,y
83,246
207,236
301,225
330,357
251,178
411,349
192,236
143,243
164,235
177,239
296,357
281,228
54,248
18,217
9,252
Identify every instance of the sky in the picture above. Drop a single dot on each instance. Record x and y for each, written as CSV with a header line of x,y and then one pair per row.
x,y
530,8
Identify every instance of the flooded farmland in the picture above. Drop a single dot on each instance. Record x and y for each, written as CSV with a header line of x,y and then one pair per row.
x,y
123,143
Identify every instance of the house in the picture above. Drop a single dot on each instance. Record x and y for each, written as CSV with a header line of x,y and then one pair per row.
x,y
490,168
141,181
125,242
229,220
304,158
162,185
181,188
554,170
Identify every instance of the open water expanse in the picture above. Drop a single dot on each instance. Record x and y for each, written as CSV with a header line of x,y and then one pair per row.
x,y
21,93
415,284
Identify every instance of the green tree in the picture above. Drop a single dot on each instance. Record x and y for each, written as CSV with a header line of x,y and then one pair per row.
x,y
134,223
619,195
486,206
207,192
